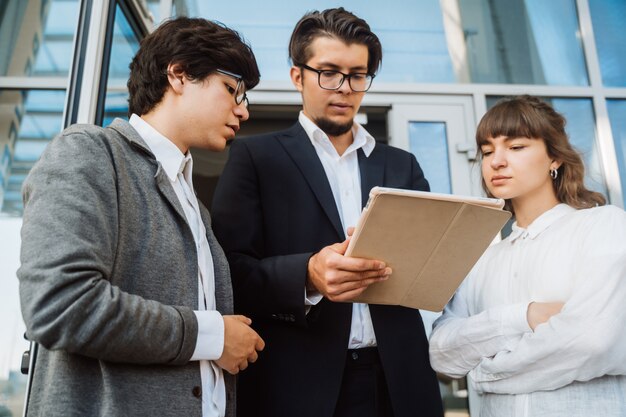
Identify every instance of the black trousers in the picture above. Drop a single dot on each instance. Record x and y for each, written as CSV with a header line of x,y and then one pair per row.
x,y
363,388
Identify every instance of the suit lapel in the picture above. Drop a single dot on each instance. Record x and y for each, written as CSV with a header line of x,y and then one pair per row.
x,y
163,183
372,171
299,147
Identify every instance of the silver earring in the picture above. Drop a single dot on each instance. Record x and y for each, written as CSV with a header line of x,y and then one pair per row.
x,y
554,173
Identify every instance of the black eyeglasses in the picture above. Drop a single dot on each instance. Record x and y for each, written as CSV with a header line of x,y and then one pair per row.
x,y
333,80
239,94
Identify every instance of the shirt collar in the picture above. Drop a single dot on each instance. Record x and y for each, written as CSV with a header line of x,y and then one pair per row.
x,y
169,156
362,138
541,223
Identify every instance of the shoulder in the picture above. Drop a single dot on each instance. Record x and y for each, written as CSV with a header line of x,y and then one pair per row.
x,y
271,138
602,216
599,228
392,151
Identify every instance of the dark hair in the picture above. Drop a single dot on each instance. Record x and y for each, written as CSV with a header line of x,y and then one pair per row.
x,y
334,23
198,46
529,117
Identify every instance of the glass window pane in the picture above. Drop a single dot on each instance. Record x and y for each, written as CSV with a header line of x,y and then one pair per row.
x,y
125,45
412,34
617,115
608,17
12,382
581,129
29,119
428,142
37,37
480,41
523,42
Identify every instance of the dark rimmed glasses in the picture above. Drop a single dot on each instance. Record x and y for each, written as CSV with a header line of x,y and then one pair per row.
x,y
239,94
333,80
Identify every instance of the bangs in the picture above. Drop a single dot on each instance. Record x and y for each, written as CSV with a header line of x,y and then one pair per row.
x,y
512,119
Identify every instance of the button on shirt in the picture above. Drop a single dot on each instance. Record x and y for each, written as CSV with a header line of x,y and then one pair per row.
x,y
573,365
344,177
210,343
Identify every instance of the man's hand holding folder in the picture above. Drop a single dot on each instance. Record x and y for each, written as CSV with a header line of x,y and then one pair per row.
x,y
341,278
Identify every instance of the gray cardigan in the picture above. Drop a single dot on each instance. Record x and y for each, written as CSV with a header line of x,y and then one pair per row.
x,y
109,281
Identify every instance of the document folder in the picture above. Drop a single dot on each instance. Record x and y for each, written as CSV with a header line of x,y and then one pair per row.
x,y
431,241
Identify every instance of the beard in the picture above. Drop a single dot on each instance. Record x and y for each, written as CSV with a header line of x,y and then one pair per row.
x,y
331,128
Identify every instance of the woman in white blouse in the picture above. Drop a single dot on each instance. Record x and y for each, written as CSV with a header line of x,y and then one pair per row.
x,y
539,324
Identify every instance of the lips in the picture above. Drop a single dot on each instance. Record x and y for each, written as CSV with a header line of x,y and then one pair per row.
x,y
499,179
235,128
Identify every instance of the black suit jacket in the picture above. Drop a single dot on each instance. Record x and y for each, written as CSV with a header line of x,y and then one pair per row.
x,y
273,208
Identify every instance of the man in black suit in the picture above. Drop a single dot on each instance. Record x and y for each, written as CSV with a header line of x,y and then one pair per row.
x,y
283,202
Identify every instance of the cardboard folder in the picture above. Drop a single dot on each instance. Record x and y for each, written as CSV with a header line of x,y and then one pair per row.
x,y
431,241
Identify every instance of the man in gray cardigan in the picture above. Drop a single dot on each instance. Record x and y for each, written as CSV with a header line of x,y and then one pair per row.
x,y
122,282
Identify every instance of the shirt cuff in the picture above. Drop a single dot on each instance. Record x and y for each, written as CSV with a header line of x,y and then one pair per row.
x,y
514,317
311,298
210,343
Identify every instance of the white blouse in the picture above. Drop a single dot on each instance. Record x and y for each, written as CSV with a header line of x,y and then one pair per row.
x,y
574,365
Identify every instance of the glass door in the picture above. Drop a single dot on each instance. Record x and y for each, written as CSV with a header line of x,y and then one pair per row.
x,y
439,131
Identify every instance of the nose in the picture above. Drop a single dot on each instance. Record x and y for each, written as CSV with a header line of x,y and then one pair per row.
x,y
345,87
241,111
498,159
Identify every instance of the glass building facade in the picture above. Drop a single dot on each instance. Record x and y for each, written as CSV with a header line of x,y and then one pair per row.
x,y
445,62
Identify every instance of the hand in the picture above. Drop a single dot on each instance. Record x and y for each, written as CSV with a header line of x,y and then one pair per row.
x,y
538,313
241,344
341,278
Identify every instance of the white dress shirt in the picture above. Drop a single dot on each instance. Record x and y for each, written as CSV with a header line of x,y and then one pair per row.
x,y
573,365
344,177
210,343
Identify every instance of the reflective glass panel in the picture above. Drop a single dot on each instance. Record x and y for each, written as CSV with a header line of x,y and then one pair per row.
x,y
428,142
617,115
125,46
581,129
481,41
522,42
608,17
37,37
412,33
29,119
12,345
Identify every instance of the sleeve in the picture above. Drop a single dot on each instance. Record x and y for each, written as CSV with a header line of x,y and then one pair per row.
x,y
69,244
460,341
419,181
266,287
586,339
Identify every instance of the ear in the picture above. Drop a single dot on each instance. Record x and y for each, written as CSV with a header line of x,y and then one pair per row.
x,y
176,77
556,164
296,77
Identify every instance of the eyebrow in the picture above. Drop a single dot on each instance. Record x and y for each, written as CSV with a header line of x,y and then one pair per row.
x,y
336,67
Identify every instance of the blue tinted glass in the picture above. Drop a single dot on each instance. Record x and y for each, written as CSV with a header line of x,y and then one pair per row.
x,y
428,142
523,42
412,34
617,114
32,119
37,38
608,17
125,46
581,129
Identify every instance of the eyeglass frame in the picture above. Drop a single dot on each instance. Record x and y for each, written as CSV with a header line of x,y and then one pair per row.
x,y
343,79
241,98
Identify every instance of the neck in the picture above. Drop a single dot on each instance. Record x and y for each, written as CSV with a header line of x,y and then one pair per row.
x,y
527,209
342,142
165,123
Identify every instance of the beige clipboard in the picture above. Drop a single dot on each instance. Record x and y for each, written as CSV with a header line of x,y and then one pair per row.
x,y
431,241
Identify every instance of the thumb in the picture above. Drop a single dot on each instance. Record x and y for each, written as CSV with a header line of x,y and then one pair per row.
x,y
341,247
